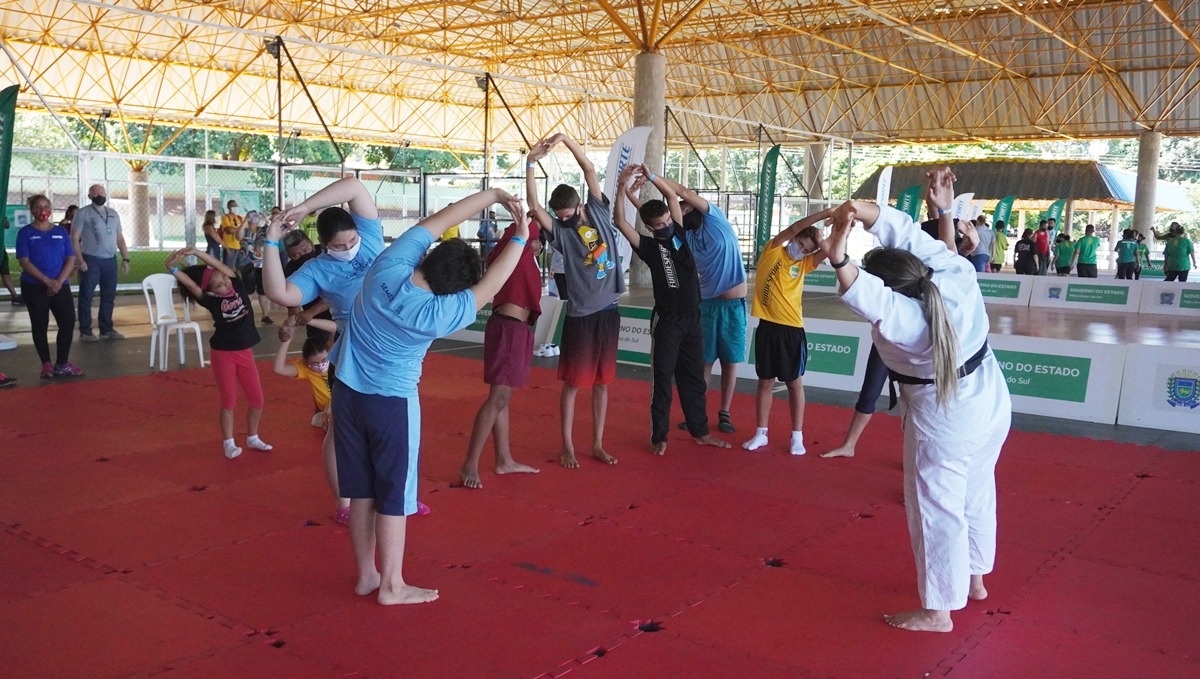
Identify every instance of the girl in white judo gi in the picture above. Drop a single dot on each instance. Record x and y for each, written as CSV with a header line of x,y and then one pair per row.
x,y
929,325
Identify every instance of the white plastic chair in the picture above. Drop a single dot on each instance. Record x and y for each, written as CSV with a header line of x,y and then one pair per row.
x,y
159,289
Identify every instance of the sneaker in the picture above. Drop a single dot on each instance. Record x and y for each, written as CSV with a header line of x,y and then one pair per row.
x,y
6,381
47,370
267,321
111,335
724,424
88,337
18,301
66,370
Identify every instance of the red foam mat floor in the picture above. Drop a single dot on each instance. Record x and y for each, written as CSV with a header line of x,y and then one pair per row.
x,y
132,547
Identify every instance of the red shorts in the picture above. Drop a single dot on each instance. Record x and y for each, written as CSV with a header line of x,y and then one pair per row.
x,y
507,351
589,348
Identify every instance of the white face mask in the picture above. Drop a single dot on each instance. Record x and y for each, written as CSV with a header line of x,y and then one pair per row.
x,y
346,255
796,251
321,367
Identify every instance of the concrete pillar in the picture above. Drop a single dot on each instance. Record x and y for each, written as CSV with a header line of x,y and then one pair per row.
x,y
1149,147
139,207
1069,217
814,171
649,102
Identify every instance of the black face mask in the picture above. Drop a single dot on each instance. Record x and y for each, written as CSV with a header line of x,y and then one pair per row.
x,y
665,233
98,200
571,222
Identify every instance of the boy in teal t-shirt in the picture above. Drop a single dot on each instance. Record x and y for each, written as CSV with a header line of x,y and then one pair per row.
x,y
1143,255
1127,255
1085,253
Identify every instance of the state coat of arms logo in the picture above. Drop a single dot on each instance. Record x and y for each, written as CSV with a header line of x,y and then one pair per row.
x,y
1183,389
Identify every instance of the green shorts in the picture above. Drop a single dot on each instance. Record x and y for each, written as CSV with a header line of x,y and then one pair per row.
x,y
723,322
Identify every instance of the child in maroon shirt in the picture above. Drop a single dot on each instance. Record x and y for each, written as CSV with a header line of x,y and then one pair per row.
x,y
507,354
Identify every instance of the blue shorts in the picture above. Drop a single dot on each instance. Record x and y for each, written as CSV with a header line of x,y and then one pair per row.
x,y
378,439
723,323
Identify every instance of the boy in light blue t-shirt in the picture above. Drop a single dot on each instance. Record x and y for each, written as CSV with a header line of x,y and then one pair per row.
x,y
408,299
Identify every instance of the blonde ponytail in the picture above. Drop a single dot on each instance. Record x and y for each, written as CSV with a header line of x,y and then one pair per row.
x,y
944,340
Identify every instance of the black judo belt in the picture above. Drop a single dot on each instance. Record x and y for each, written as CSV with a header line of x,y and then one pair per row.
x,y
963,370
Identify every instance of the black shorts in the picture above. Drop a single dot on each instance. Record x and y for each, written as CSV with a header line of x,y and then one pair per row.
x,y
589,348
3,261
780,351
1062,270
253,280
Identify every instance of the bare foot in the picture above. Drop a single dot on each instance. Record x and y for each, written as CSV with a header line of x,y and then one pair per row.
x,y
843,451
567,459
514,467
978,591
603,456
921,620
367,585
708,440
470,477
407,595
659,448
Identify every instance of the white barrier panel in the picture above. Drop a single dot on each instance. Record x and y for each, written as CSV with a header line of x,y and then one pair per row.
x,y
1064,292
1162,388
1061,378
1177,299
837,353
550,311
1005,288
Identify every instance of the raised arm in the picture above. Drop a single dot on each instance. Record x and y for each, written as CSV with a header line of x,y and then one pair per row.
x,y
282,366
623,194
172,264
462,210
506,262
789,233
687,195
349,190
939,198
668,193
536,211
589,170
209,260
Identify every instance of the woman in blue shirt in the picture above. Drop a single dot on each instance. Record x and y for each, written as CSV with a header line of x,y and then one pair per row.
x,y
47,260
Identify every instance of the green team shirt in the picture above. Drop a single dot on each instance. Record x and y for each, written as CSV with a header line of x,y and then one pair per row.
x,y
1178,253
1127,251
1063,252
1087,247
1143,254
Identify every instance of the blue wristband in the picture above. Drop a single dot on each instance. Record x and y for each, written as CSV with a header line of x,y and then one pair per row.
x,y
174,270
652,176
274,243
518,239
942,211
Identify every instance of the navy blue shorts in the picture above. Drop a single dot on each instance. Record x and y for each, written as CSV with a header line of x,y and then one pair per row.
x,y
378,439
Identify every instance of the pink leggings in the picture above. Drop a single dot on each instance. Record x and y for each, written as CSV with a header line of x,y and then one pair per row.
x,y
232,368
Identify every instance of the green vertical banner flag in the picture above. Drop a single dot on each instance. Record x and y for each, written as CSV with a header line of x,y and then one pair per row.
x,y
909,202
1055,211
766,199
8,115
1003,212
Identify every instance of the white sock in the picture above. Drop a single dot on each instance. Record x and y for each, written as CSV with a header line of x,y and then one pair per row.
x,y
231,449
257,443
798,443
759,440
